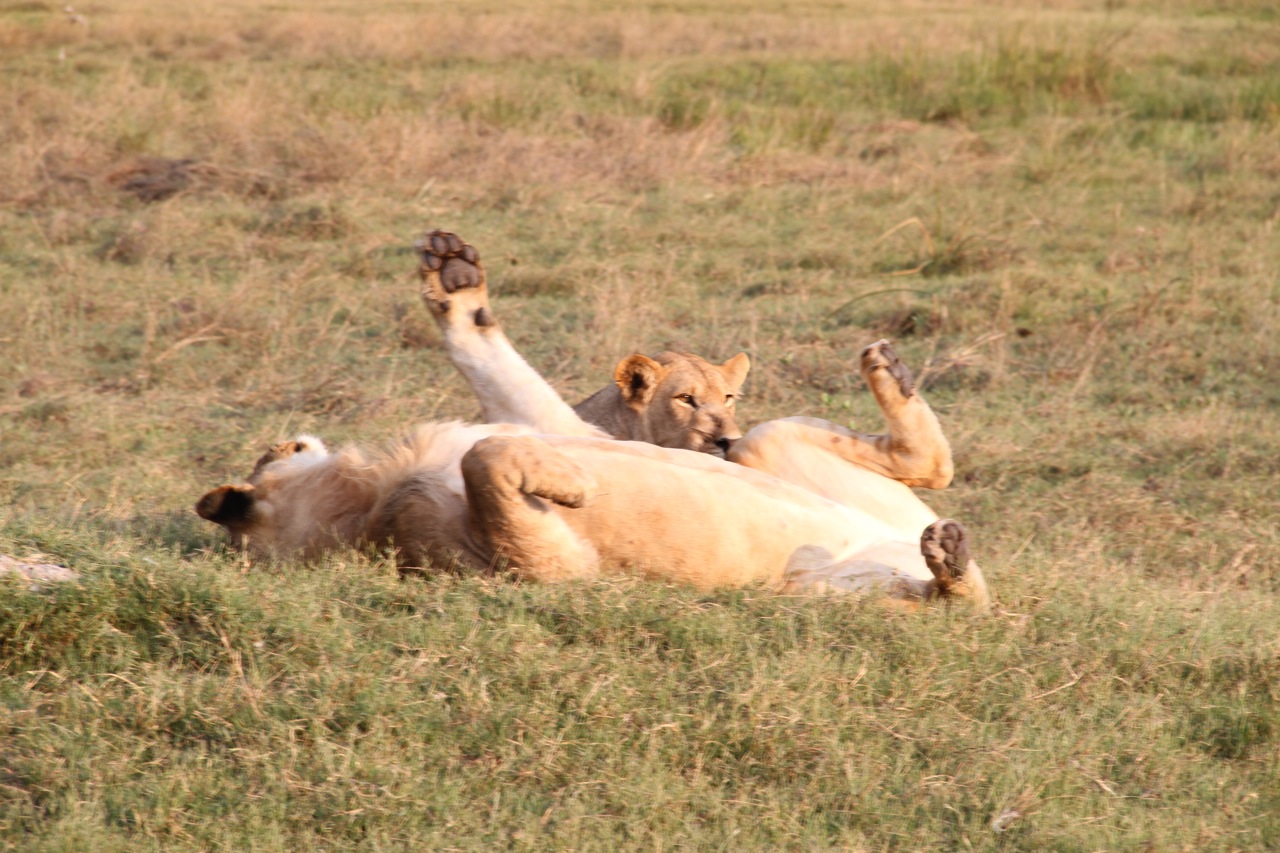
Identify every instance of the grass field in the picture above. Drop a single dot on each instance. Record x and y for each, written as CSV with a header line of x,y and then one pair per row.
x,y
1065,217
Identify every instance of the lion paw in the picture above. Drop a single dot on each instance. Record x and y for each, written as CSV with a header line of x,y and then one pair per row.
x,y
945,546
880,362
453,280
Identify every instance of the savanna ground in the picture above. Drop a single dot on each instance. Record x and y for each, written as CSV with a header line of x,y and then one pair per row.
x,y
1066,219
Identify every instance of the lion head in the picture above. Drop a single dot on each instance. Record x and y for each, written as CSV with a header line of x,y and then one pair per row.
x,y
675,400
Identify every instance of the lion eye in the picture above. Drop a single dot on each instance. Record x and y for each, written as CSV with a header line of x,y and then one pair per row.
x,y
687,399
729,399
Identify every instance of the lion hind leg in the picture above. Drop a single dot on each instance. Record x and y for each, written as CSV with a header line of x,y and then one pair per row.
x,y
512,483
892,567
828,460
945,546
897,569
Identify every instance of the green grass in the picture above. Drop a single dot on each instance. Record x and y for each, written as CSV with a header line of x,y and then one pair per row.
x,y
339,706
1065,219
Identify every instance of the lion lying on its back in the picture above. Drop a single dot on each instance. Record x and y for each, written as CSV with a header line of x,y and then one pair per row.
x,y
554,508
831,513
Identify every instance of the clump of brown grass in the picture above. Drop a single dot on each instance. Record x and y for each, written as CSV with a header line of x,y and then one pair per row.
x,y
962,252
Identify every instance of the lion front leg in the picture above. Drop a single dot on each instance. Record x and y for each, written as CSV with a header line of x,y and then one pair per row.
x,y
455,290
514,485
913,452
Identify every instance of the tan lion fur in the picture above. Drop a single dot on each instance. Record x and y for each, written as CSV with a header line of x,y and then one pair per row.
x,y
811,505
675,399
553,508
867,472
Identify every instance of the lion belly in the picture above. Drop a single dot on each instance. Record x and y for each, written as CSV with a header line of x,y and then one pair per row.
x,y
691,518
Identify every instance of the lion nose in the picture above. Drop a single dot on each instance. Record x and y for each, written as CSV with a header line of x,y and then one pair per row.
x,y
724,443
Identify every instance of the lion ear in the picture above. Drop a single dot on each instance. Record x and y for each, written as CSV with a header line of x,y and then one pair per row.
x,y
735,370
637,378
227,505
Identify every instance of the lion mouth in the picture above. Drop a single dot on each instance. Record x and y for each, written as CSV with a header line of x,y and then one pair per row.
x,y
707,443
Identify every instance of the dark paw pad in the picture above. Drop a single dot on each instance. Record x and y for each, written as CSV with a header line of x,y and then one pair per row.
x,y
945,547
902,373
457,262
883,355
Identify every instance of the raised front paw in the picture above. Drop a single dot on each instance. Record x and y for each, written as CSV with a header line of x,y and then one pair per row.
x,y
453,279
881,356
